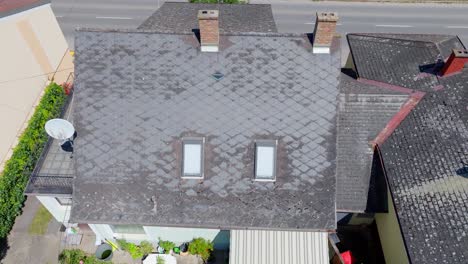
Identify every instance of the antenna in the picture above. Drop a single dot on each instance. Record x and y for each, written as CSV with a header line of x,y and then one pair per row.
x,y
63,130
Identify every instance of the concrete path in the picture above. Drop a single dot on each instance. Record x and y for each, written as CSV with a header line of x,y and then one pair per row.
x,y
25,248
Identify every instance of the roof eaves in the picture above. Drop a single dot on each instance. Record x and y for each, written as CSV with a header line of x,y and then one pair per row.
x,y
377,148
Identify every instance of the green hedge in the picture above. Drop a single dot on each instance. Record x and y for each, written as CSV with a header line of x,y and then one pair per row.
x,y
18,168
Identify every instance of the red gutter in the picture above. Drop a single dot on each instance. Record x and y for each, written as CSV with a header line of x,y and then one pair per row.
x,y
397,118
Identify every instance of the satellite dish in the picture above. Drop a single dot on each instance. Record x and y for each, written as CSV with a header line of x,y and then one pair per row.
x,y
59,129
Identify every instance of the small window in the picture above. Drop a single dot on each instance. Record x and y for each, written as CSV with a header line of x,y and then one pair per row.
x,y
265,160
64,200
192,161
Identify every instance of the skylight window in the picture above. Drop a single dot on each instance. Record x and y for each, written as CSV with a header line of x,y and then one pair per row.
x,y
192,161
265,160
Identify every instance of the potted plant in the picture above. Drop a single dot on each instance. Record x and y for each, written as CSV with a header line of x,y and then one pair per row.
x,y
201,247
104,252
166,245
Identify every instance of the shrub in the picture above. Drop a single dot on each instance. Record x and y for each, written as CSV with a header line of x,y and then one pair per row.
x,y
18,168
137,252
202,247
73,256
167,245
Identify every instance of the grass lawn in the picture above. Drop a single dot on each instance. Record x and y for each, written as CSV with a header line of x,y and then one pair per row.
x,y
40,222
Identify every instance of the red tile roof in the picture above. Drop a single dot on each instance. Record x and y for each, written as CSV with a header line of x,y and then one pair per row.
x,y
8,5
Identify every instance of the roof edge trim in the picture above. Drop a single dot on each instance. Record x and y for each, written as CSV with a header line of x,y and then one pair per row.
x,y
395,121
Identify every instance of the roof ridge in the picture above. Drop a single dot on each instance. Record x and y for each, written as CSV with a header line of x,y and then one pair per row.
x,y
144,31
387,36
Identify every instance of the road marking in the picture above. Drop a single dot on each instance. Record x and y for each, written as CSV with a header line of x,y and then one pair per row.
x,y
457,26
395,26
127,18
59,16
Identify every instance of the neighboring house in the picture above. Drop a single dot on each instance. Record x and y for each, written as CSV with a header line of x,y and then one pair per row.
x,y
403,125
225,136
33,52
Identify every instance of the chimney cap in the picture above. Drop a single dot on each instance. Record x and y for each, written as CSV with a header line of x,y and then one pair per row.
x,y
460,53
208,14
327,17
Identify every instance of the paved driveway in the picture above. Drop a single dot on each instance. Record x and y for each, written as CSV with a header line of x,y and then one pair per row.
x,y
25,248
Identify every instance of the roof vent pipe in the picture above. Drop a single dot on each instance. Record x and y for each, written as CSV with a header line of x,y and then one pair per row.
x,y
325,27
209,30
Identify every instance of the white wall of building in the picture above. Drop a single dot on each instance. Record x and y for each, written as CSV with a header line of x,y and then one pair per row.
x,y
154,233
180,235
61,213
102,232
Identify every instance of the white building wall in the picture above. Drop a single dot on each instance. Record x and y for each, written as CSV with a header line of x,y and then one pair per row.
x,y
180,235
154,233
60,212
102,232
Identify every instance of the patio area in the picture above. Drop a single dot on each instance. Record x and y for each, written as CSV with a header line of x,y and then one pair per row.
x,y
85,240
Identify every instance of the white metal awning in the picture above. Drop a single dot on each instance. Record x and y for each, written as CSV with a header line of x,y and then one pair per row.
x,y
278,247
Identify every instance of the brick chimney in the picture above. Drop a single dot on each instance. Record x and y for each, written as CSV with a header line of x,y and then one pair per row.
x,y
325,26
209,30
455,62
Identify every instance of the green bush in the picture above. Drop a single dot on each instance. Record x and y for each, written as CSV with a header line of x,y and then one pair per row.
x,y
18,168
167,245
202,247
73,256
137,252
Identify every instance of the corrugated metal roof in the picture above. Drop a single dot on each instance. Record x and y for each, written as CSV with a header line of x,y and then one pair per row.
x,y
278,247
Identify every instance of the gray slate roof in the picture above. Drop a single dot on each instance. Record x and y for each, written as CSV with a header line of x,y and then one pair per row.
x,y
426,156
364,110
426,161
138,94
405,60
233,18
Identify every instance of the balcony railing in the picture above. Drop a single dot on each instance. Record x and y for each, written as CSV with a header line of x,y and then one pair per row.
x,y
41,182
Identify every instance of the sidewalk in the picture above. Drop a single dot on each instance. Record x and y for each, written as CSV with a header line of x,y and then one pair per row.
x,y
26,248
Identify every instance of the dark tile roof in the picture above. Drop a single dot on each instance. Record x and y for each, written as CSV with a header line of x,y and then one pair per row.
x,y
138,94
233,18
10,7
404,60
426,162
364,110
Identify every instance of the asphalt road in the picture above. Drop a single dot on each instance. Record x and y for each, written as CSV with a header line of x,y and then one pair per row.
x,y
290,16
